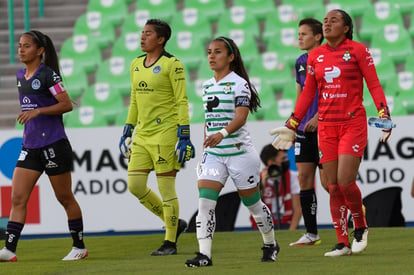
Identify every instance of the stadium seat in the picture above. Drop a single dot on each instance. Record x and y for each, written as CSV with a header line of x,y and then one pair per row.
x,y
307,8
397,106
115,71
384,66
260,8
375,19
162,9
121,117
276,73
355,8
113,11
128,46
191,19
403,83
84,116
84,52
405,6
74,78
240,25
103,97
394,41
411,26
286,44
135,22
189,50
212,9
285,16
96,28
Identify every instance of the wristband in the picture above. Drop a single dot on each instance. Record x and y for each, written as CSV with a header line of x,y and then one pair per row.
x,y
224,132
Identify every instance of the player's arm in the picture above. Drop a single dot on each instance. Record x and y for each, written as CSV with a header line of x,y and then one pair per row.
x,y
184,149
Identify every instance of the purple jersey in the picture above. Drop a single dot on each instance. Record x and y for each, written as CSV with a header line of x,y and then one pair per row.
x,y
300,70
39,91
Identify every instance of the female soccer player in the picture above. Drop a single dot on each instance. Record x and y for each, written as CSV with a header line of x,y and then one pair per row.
x,y
306,141
46,148
159,111
337,69
228,150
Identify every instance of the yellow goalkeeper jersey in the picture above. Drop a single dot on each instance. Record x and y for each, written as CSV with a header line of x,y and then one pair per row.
x,y
158,100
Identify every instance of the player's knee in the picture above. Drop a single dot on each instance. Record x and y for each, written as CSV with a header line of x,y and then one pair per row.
x,y
137,183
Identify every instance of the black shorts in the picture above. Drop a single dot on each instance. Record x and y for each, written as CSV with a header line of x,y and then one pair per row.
x,y
306,147
54,159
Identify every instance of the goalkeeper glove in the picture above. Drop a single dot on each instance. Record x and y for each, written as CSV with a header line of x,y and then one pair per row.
x,y
125,142
285,135
184,149
384,113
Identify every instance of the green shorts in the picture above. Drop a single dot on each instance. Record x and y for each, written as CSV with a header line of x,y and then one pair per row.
x,y
160,158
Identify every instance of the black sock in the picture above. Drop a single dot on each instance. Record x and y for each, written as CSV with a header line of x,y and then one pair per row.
x,y
309,206
76,230
14,229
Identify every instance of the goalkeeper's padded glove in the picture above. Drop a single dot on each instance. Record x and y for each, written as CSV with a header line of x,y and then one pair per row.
x,y
126,141
285,135
384,113
184,149
284,138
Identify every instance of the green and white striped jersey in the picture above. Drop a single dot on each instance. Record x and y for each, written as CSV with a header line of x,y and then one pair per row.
x,y
220,100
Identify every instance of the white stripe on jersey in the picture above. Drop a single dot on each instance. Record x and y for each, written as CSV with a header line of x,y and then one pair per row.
x,y
219,106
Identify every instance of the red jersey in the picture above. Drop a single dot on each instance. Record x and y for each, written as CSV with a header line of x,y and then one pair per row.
x,y
338,75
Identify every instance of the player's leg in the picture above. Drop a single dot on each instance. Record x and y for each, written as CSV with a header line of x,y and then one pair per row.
x,y
205,222
351,150
22,185
245,172
139,166
212,174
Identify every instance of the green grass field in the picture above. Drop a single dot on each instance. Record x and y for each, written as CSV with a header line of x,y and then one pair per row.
x,y
390,251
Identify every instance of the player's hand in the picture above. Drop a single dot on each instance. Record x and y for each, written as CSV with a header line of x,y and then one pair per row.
x,y
184,149
384,113
284,138
126,141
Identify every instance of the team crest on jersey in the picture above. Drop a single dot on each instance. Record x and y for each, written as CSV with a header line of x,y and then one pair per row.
x,y
346,56
157,69
227,88
36,84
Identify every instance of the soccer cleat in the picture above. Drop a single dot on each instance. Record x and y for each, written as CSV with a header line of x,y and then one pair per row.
x,y
198,261
307,239
270,253
7,256
360,241
339,249
167,248
76,254
182,227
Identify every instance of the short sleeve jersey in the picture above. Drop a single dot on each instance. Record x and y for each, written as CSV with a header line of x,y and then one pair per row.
x,y
40,91
220,100
300,71
158,99
338,75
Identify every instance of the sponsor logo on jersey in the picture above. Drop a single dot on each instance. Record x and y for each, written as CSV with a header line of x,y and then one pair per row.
x,y
320,58
19,84
331,73
36,84
301,69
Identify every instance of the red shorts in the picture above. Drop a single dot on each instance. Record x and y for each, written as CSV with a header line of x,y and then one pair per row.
x,y
342,139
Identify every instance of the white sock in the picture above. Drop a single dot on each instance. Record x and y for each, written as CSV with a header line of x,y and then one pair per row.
x,y
206,225
263,218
